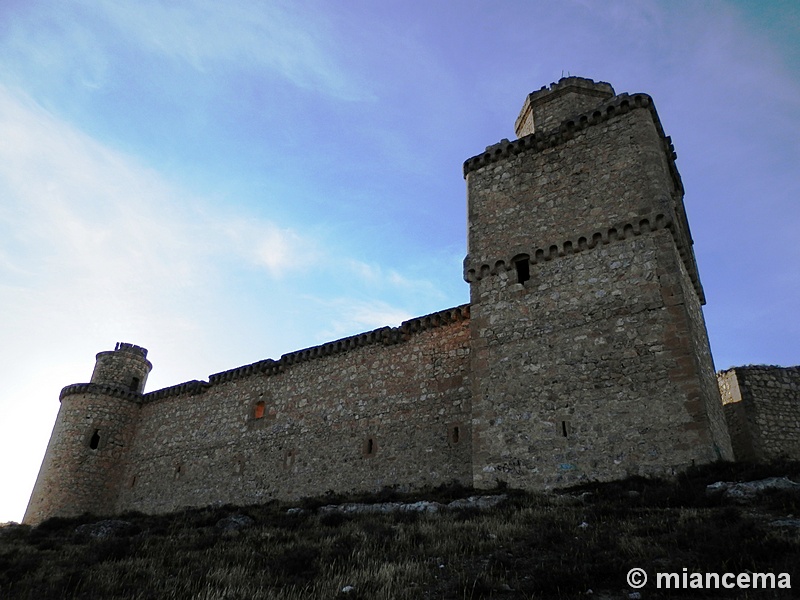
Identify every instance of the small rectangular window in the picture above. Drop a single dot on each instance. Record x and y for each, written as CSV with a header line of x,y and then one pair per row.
x,y
370,447
258,411
523,268
454,433
288,458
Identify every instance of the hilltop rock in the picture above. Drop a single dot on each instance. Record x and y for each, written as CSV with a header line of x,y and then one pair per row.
x,y
423,506
747,491
235,523
107,529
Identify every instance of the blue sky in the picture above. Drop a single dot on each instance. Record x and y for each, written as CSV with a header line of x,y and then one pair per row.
x,y
222,182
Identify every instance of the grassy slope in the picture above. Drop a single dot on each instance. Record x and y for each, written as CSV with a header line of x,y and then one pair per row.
x,y
534,546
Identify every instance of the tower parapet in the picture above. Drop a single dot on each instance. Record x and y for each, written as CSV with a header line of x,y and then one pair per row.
x,y
126,366
544,109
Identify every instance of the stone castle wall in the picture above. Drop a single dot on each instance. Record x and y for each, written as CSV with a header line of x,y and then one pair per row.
x,y
762,408
390,408
583,354
591,381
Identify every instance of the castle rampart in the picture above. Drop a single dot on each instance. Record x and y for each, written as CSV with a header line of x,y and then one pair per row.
x,y
762,407
582,355
390,407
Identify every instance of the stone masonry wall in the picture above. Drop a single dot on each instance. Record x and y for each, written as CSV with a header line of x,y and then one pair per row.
x,y
605,176
574,372
386,413
583,355
762,407
544,109
80,472
126,367
688,339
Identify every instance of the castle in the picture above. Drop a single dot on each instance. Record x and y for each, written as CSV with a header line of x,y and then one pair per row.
x,y
582,354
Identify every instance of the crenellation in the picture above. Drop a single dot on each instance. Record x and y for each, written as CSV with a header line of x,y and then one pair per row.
x,y
190,388
582,244
542,141
581,356
100,388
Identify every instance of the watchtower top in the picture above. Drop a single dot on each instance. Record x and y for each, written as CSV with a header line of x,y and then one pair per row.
x,y
546,108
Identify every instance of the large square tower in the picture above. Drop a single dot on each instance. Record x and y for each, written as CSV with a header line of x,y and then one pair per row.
x,y
590,358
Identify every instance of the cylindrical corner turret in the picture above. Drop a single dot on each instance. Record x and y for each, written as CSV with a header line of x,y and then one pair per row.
x,y
126,367
83,467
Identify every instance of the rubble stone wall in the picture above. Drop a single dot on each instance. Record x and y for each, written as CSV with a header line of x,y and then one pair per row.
x,y
762,408
380,414
579,374
80,472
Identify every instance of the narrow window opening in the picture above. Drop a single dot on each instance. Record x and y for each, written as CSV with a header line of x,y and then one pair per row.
x,y
455,435
177,471
288,459
134,384
369,447
260,409
94,442
133,481
564,429
523,270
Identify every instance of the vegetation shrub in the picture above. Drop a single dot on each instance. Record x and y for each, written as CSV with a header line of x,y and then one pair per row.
x,y
531,546
334,519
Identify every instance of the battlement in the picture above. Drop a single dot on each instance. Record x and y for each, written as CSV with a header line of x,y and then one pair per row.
x,y
99,388
132,348
605,227
543,140
382,336
544,109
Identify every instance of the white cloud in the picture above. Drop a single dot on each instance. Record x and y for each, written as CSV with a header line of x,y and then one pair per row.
x,y
351,316
96,247
279,250
204,33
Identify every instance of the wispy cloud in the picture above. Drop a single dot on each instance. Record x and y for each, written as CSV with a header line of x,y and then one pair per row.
x,y
87,231
206,34
350,316
278,250
75,208
96,247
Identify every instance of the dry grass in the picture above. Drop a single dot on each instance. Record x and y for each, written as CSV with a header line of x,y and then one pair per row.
x,y
534,546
